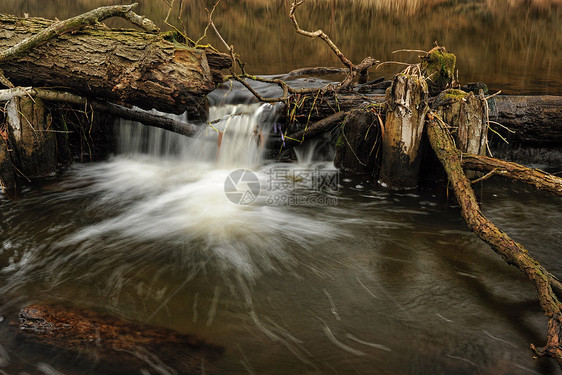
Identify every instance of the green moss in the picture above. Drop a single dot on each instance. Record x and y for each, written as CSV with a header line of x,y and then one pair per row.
x,y
439,68
340,143
454,94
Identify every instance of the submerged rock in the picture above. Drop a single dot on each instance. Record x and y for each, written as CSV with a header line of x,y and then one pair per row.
x,y
112,345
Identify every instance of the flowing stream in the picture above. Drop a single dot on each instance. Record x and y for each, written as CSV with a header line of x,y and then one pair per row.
x,y
289,267
317,275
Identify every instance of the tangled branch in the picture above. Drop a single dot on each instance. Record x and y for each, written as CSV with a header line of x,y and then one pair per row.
x,y
243,77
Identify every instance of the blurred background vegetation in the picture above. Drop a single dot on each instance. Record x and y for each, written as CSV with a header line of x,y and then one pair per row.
x,y
513,45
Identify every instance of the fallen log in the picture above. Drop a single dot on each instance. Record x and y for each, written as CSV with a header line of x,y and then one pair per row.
x,y
111,344
512,252
539,179
123,66
532,119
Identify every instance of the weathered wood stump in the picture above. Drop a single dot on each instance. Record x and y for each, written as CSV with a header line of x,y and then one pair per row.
x,y
7,176
33,140
359,143
401,152
467,114
113,345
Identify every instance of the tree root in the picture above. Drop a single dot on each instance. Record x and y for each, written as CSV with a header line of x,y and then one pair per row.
x,y
541,180
512,252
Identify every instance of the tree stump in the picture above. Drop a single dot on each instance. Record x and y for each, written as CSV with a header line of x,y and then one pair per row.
x,y
467,114
359,143
401,152
32,140
438,66
7,177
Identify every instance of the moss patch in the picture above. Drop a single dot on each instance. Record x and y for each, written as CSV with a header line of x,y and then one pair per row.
x,y
438,66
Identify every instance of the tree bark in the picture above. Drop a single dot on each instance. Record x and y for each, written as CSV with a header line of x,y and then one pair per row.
x,y
405,119
123,66
113,345
7,176
512,252
539,179
534,119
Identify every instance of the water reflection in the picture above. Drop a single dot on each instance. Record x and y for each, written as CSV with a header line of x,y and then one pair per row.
x,y
511,45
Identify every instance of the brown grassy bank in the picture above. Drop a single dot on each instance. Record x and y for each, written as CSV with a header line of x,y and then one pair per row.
x,y
513,44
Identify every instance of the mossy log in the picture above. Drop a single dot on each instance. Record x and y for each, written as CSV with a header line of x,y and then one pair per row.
x,y
111,344
512,252
535,177
122,66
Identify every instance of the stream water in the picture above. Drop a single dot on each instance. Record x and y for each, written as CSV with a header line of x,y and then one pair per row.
x,y
344,279
307,273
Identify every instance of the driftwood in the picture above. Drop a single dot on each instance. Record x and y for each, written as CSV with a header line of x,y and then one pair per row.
x,y
123,66
539,179
512,252
113,345
532,119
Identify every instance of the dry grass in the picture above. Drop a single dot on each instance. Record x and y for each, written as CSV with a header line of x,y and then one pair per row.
x,y
512,44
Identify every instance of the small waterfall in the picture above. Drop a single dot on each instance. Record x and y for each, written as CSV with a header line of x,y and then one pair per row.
x,y
168,190
234,137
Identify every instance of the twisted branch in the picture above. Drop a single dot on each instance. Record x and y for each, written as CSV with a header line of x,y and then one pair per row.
x,y
243,76
548,287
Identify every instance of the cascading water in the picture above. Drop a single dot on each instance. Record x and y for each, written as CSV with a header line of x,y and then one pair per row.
x,y
151,235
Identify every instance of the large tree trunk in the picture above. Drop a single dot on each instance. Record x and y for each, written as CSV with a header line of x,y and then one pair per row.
x,y
123,66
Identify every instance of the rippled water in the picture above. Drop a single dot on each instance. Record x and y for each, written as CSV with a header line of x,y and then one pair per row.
x,y
348,279
379,282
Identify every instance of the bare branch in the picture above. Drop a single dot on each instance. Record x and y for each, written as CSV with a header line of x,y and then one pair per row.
x,y
353,69
540,179
320,70
144,117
